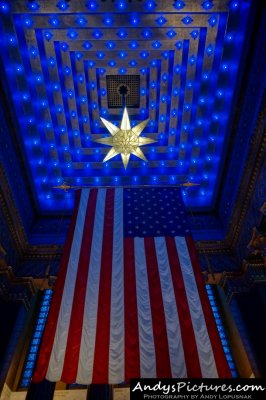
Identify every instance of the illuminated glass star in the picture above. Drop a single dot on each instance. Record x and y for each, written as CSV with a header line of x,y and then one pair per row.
x,y
125,140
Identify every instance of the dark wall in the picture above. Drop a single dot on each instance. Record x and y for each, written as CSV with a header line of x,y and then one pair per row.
x,y
252,306
8,315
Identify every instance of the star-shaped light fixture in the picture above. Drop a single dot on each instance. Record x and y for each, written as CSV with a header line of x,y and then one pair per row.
x,y
125,140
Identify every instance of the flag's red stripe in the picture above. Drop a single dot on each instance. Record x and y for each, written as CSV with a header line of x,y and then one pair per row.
x,y
102,341
163,367
50,329
71,360
220,359
187,331
132,355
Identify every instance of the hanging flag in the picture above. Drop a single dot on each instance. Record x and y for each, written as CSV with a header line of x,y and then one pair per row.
x,y
130,299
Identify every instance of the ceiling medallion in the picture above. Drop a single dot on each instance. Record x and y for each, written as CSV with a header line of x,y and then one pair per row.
x,y
125,140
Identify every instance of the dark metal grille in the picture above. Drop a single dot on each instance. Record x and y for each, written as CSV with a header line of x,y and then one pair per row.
x,y
117,84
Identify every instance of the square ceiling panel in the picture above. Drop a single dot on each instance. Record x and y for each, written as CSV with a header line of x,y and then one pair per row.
x,y
57,57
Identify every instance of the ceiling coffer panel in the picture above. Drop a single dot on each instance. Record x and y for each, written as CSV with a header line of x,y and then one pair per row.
x,y
66,62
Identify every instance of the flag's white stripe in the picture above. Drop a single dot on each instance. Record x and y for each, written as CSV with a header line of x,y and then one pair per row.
x,y
86,355
176,352
206,356
117,331
146,340
59,346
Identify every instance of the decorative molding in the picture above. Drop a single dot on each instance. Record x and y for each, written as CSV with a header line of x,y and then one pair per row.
x,y
251,272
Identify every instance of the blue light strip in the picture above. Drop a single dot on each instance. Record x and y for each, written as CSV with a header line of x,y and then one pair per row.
x,y
36,339
221,329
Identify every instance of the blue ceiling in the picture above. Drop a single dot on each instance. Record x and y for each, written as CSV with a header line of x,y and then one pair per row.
x,y
56,56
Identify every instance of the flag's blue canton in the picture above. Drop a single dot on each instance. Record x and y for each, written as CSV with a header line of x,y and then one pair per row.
x,y
154,212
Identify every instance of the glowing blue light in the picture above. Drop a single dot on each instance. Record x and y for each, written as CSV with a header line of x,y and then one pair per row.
x,y
62,5
146,33
205,76
194,34
122,33
122,54
143,71
48,125
97,34
33,6
67,70
112,63
165,77
225,67
4,7
73,114
161,20
177,69
162,118
174,112
81,78
92,5
154,63
172,131
78,55
102,71
64,46
100,55
48,35
176,92
12,40
199,122
150,5
219,93
38,78
156,45
164,98
178,45
91,63
76,133
86,118
229,37
122,70
70,93
28,22
25,97
33,52
202,100
187,107
165,54
133,63
134,20
83,99
121,5
171,34
59,108
133,45
92,85
233,5
108,21
54,21
209,50
81,21
179,4
196,142
212,21
144,54
72,34
87,45
153,104
110,45
187,20
207,5
192,60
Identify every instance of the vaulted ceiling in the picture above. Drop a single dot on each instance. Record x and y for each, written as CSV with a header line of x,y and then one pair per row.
x,y
64,63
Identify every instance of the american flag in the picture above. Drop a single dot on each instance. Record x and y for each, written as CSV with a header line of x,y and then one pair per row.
x,y
130,300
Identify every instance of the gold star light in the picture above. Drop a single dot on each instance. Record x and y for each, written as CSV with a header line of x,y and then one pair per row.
x,y
125,140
